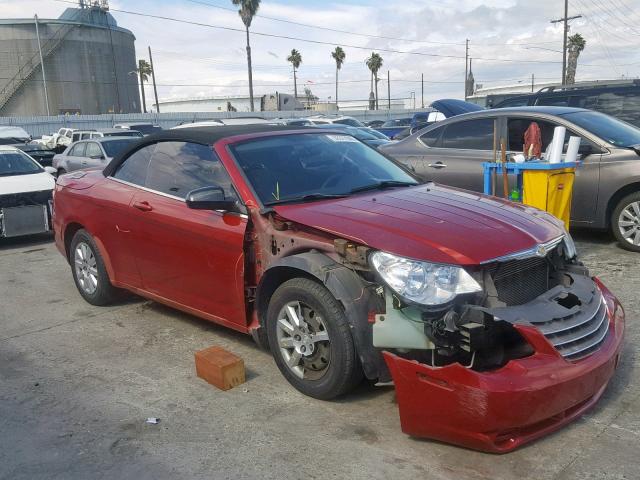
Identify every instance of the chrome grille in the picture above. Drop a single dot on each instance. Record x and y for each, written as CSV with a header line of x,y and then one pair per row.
x,y
578,335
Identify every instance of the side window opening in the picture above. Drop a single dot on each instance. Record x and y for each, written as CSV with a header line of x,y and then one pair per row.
x,y
176,168
516,128
430,139
469,135
134,168
78,150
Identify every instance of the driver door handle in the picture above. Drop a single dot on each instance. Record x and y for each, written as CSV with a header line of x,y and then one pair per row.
x,y
143,206
437,165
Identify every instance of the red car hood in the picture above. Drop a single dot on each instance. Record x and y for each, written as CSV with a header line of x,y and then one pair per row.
x,y
430,222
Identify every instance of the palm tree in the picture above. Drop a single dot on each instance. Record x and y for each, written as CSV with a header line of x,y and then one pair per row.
x,y
374,62
338,55
575,45
144,70
248,9
296,59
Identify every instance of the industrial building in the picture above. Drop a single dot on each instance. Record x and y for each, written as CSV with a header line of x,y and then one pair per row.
x,y
89,64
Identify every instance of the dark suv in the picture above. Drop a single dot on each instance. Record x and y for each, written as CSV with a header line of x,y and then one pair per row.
x,y
621,100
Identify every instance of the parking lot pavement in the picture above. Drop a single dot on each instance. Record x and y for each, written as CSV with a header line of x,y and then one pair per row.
x,y
77,383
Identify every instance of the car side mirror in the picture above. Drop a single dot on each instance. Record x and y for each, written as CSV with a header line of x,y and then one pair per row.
x,y
210,198
585,149
51,171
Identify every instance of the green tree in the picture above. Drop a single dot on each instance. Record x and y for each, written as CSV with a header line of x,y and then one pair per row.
x,y
144,70
295,59
338,55
374,63
575,45
248,9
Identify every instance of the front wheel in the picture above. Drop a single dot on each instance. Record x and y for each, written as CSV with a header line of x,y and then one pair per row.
x,y
311,340
625,222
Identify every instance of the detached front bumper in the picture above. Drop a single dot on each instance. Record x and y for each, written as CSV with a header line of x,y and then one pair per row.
x,y
500,410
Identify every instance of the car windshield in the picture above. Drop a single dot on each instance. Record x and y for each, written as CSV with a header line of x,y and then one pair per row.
x,y
17,163
610,129
377,134
114,147
302,167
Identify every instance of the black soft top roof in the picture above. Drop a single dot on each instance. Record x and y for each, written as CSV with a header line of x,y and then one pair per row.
x,y
202,135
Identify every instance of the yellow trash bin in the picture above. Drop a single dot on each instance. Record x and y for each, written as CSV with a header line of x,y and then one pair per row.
x,y
549,190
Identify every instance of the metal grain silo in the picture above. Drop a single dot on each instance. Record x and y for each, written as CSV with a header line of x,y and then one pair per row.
x,y
87,60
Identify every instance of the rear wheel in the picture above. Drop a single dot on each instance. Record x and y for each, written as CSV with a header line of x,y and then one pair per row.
x,y
89,272
625,222
311,341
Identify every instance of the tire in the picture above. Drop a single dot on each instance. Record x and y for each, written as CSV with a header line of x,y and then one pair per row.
x,y
329,366
89,272
625,222
61,171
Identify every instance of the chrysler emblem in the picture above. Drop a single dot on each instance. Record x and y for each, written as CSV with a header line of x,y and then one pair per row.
x,y
541,251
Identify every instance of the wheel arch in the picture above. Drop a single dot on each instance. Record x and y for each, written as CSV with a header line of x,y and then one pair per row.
x,y
69,232
619,195
356,297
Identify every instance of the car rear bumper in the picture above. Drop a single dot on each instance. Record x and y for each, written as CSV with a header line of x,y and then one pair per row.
x,y
498,411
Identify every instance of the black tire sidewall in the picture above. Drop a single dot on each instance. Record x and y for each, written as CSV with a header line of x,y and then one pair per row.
x,y
105,291
344,369
615,217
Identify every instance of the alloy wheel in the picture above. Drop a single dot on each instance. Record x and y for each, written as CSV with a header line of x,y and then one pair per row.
x,y
629,223
86,268
303,340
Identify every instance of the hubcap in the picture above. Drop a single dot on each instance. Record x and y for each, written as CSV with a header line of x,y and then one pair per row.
x,y
86,268
303,340
629,223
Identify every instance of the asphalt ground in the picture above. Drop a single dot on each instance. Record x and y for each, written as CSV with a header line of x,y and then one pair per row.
x,y
78,382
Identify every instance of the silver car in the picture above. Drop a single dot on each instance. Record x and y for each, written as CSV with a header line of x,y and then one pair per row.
x,y
607,186
96,152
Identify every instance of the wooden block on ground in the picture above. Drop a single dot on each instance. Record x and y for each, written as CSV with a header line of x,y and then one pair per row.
x,y
220,368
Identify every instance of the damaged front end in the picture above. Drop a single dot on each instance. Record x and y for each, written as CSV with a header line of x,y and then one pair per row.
x,y
495,356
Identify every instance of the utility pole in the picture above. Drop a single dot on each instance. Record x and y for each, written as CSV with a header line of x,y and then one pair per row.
x,y
565,20
389,90
422,90
44,78
153,77
532,82
466,67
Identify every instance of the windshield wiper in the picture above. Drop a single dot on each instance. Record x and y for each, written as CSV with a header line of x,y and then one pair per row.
x,y
307,198
384,184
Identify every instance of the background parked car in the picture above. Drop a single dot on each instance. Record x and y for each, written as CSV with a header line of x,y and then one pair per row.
x,y
19,138
143,127
620,100
366,135
25,194
339,119
607,185
90,153
105,132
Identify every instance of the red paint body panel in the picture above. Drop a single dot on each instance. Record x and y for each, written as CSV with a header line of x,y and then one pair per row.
x,y
500,410
430,222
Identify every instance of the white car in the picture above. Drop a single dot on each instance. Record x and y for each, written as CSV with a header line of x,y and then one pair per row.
x,y
220,122
25,194
339,119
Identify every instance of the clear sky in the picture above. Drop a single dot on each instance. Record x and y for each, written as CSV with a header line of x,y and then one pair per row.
x,y
509,40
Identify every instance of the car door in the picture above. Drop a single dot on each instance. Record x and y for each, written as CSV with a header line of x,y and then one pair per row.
x,y
457,158
93,156
193,258
586,185
76,156
119,225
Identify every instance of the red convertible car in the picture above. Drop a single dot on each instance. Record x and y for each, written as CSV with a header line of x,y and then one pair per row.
x,y
345,265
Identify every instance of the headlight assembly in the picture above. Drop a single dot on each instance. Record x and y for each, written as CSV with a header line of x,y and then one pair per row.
x,y
423,282
569,246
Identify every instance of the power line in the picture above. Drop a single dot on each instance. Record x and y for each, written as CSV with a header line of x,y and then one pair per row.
x,y
366,35
319,42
